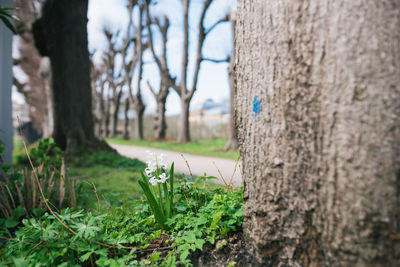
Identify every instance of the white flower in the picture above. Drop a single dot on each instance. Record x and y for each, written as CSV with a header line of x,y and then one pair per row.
x,y
163,178
155,162
153,181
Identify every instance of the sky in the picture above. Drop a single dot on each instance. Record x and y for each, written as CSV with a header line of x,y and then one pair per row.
x,y
213,78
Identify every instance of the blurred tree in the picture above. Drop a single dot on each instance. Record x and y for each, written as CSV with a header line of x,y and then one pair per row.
x,y
318,104
232,143
114,81
36,88
166,81
184,88
136,99
61,34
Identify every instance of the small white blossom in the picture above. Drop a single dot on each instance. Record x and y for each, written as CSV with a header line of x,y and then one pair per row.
x,y
163,178
153,181
155,162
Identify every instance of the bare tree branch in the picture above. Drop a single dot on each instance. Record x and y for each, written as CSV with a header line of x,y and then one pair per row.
x,y
225,19
224,60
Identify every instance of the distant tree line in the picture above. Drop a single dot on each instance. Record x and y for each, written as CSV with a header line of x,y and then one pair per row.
x,y
117,82
121,84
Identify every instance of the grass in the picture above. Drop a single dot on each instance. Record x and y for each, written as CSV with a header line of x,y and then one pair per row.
x,y
209,148
115,176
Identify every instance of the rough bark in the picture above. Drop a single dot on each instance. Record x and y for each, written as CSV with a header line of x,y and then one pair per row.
x,y
61,34
318,104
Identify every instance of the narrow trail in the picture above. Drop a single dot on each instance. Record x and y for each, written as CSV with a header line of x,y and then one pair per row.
x,y
198,164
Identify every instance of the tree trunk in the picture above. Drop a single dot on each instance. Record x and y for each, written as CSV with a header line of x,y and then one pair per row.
x,y
184,133
126,123
160,125
48,120
139,108
107,118
35,89
232,143
116,105
318,105
62,35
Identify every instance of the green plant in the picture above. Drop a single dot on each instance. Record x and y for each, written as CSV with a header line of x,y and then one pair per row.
x,y
122,237
5,16
20,188
160,200
44,152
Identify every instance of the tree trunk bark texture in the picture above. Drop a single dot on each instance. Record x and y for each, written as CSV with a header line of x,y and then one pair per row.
x,y
160,125
62,35
184,133
318,105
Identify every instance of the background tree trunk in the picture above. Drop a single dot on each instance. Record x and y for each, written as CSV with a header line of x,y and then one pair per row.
x,y
36,88
116,105
232,143
48,120
107,116
184,135
139,109
126,122
62,35
318,104
160,125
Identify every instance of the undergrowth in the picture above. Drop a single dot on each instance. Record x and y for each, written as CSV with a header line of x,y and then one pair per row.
x,y
103,232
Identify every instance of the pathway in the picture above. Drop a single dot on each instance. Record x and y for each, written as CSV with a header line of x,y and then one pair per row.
x,y
198,164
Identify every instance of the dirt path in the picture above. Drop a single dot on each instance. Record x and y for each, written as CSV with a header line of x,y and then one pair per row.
x,y
198,164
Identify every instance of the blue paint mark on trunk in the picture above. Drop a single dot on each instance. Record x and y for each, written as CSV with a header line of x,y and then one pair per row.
x,y
256,107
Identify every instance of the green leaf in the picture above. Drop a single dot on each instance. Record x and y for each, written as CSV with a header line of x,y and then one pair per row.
x,y
155,257
85,256
184,255
199,243
153,204
11,223
167,202
8,24
18,212
217,217
20,262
